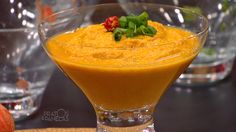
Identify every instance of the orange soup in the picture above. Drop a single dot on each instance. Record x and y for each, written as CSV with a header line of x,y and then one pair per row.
x,y
128,74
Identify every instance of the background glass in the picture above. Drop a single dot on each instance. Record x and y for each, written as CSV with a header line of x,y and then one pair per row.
x,y
216,59
126,117
24,68
24,71
48,7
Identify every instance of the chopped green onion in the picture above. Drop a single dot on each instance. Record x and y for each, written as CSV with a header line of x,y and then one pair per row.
x,y
138,31
130,33
133,25
117,34
144,16
123,30
149,31
152,29
133,19
145,30
123,22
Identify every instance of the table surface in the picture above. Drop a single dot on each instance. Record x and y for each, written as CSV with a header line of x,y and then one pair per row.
x,y
199,109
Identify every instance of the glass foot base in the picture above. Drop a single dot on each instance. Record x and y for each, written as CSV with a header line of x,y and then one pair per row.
x,y
136,120
22,108
147,127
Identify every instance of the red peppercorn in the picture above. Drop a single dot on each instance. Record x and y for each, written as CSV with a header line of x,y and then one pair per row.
x,y
111,23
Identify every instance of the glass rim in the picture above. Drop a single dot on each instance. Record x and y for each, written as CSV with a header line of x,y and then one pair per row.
x,y
195,35
21,29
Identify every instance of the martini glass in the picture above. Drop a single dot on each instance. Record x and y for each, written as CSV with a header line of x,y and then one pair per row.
x,y
124,96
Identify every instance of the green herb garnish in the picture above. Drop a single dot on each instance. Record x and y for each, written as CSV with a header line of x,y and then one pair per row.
x,y
118,32
123,22
133,25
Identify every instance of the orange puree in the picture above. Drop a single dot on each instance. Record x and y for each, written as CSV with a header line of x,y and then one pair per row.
x,y
128,74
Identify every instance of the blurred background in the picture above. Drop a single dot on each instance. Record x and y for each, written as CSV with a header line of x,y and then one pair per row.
x,y
202,99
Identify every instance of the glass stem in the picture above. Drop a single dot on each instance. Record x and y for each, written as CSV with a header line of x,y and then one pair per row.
x,y
138,120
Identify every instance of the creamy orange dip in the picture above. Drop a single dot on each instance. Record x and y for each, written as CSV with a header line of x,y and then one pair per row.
x,y
93,45
129,74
